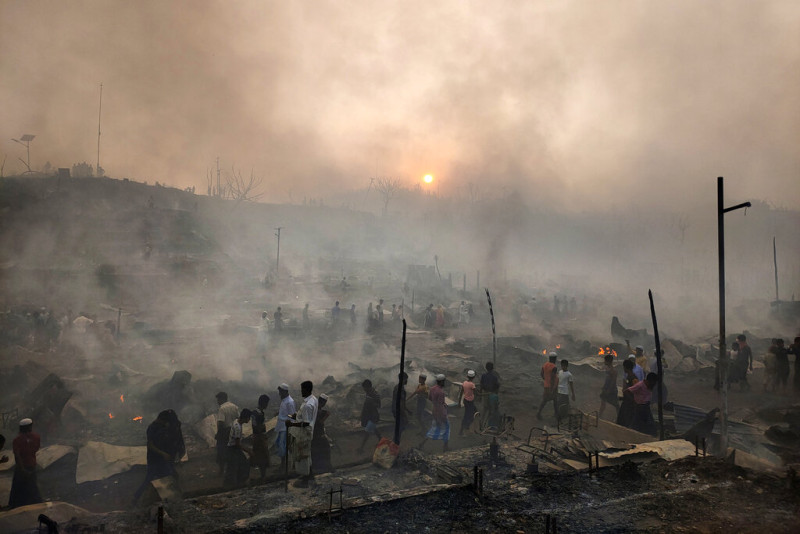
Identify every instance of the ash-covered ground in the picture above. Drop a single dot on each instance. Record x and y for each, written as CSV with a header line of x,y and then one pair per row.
x,y
125,293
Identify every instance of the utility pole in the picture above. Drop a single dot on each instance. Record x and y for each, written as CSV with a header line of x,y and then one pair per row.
x,y
723,354
99,112
775,261
278,260
219,191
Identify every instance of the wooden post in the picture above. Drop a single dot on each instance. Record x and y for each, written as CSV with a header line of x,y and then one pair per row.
x,y
775,262
494,333
399,409
660,369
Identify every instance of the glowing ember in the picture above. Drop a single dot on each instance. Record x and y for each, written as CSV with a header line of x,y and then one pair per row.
x,y
558,346
607,350
111,416
544,352
137,418
122,398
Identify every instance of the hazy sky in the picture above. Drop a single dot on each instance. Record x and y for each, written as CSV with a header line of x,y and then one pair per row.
x,y
576,103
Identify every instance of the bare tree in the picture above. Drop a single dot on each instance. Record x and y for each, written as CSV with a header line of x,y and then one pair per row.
x,y
387,187
239,188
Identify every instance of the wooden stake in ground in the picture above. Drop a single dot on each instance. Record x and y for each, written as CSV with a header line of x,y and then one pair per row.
x,y
494,333
660,369
399,401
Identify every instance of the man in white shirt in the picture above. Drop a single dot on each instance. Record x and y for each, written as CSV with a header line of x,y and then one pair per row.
x,y
286,409
302,431
565,389
228,413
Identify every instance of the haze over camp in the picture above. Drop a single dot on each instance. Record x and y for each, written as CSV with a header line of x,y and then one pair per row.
x,y
373,267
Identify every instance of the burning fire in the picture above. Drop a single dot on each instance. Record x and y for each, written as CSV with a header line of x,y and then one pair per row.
x,y
544,352
122,398
137,418
558,346
111,416
607,350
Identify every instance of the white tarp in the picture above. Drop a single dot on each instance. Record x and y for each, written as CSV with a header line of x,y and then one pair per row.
x,y
97,460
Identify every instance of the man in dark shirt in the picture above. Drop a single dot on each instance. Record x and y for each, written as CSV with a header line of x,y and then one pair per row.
x,y
781,364
369,412
165,446
490,392
24,489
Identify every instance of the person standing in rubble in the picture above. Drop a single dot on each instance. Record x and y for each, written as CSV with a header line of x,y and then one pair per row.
x,y
429,313
404,411
463,313
263,332
226,415
165,446
467,393
608,395
440,426
237,466
258,418
335,311
320,443
278,319
566,388
301,426
353,316
421,393
549,374
370,415
379,311
770,367
490,392
306,320
626,409
24,488
286,408
642,393
794,348
782,369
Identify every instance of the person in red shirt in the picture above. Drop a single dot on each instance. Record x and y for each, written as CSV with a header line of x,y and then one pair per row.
x,y
642,394
550,377
24,489
440,426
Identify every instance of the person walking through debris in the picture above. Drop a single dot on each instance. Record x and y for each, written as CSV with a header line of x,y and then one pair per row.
x,y
440,426
626,409
352,316
549,374
770,367
429,314
278,319
637,369
490,391
463,313
258,418
165,446
738,365
320,443
421,393
566,389
467,393
237,466
24,489
301,427
609,392
335,311
306,320
286,408
404,411
440,322
642,393
370,415
226,415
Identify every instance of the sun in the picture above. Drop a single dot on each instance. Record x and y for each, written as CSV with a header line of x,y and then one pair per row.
x,y
428,178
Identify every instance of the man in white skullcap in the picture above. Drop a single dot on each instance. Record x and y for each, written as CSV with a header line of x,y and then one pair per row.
x,y
24,489
287,408
440,426
467,393
637,369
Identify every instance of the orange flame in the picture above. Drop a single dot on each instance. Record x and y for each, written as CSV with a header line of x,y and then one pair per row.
x,y
558,346
122,398
601,352
607,350
111,416
137,418
544,352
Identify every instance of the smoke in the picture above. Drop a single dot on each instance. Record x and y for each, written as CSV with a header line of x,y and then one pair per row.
x,y
570,105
